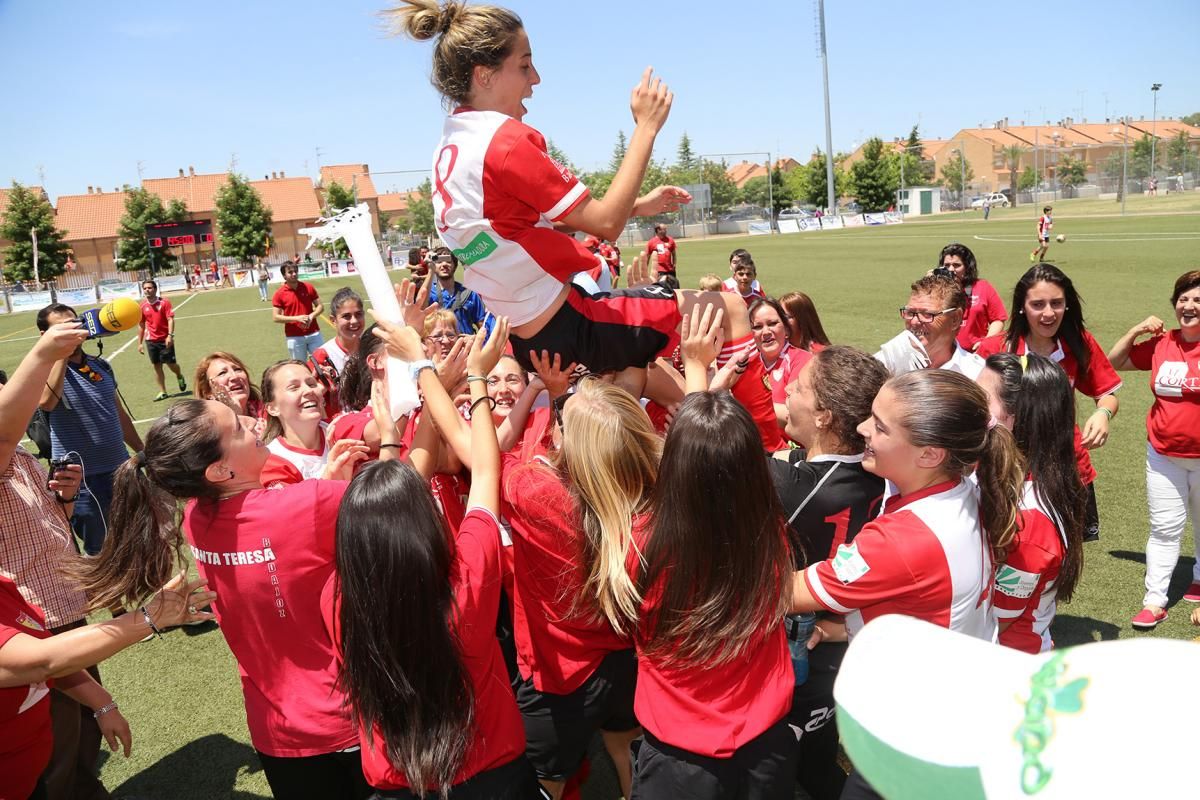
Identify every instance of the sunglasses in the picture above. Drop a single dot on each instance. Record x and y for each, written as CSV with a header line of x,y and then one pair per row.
x,y
90,374
558,405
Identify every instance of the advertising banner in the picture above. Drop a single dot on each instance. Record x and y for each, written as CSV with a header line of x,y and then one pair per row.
x,y
243,278
790,225
853,220
28,301
809,225
831,223
172,283
111,291
342,267
759,229
893,218
310,271
77,297
874,219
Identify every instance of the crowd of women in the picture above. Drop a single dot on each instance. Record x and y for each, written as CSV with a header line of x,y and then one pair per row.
x,y
457,602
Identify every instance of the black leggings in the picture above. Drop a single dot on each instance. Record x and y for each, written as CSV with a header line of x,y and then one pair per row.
x,y
336,776
512,781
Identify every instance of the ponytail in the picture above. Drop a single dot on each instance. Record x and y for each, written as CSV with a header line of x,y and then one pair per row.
x,y
1001,475
354,385
144,544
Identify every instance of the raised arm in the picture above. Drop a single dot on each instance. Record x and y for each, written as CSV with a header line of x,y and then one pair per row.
x,y
1119,354
27,385
485,451
701,341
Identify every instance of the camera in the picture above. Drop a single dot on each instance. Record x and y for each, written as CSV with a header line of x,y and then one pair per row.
x,y
943,272
57,464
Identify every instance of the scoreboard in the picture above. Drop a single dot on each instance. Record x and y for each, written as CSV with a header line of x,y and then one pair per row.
x,y
179,234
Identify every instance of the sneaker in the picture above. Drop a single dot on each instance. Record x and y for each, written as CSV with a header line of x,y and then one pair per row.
x,y
182,384
1033,256
160,396
1192,595
1147,619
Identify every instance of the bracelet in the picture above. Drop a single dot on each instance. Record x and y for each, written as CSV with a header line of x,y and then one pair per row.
x,y
150,622
104,709
62,501
477,378
1107,413
391,444
483,400
415,368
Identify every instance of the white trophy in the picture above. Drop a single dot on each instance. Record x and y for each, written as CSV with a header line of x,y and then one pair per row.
x,y
354,225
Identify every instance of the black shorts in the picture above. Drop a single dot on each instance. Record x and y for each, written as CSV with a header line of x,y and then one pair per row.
x,y
512,781
337,776
608,332
161,352
559,727
764,768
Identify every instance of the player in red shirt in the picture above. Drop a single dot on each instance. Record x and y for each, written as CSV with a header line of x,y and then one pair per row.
x,y
267,553
804,325
1032,397
498,195
660,252
436,716
329,361
296,306
930,554
1048,320
985,310
715,678
157,329
1173,433
1044,224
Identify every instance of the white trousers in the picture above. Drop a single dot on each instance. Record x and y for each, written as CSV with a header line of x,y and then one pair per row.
x,y
1172,488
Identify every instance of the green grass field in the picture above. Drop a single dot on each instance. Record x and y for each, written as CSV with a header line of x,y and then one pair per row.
x,y
181,695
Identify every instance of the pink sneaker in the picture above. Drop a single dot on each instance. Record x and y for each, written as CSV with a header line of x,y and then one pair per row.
x,y
1192,595
1147,619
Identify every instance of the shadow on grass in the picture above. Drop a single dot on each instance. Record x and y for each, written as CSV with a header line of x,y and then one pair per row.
x,y
206,767
1069,630
208,626
1181,578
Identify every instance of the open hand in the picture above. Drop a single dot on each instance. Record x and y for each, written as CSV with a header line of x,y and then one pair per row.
x,y
651,101
486,350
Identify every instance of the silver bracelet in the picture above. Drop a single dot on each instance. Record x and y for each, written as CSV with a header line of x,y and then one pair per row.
x,y
150,622
99,712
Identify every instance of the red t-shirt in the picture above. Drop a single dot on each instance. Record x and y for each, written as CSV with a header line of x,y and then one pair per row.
x,y
925,556
497,735
559,646
25,735
1026,591
296,303
1099,380
267,554
984,307
785,369
1173,423
664,253
712,711
154,319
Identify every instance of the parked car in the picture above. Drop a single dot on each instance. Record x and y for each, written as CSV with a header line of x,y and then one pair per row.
x,y
796,213
995,199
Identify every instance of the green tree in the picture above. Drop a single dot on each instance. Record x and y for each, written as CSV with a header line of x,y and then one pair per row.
x,y
875,177
597,182
956,173
685,158
1178,154
420,209
1139,158
1191,119
144,208
918,170
338,197
618,153
29,211
818,180
1012,160
724,191
1112,168
777,196
1029,179
656,175
1072,172
797,183
242,219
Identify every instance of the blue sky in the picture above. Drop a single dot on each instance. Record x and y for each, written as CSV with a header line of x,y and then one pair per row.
x,y
92,89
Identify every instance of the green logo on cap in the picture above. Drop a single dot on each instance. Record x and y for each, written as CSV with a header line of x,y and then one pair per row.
x,y
477,249
1046,697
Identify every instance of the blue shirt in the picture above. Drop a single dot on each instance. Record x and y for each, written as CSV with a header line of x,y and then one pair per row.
x,y
86,419
471,315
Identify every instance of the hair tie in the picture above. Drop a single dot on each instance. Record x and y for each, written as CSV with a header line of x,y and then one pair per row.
x,y
992,422
140,457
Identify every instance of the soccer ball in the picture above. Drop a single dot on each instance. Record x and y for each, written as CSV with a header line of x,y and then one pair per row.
x,y
1062,237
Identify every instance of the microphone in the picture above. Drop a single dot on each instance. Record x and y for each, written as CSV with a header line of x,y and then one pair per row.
x,y
119,315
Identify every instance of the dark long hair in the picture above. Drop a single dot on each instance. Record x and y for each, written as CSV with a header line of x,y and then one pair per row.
x,y
806,323
401,665
718,551
144,545
1039,396
970,267
1072,328
845,382
354,388
948,410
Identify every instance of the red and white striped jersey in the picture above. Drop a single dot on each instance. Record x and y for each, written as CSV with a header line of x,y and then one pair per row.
x,y
1045,223
496,195
1027,581
926,556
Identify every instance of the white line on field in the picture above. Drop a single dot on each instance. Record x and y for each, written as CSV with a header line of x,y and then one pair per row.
x,y
1089,238
133,339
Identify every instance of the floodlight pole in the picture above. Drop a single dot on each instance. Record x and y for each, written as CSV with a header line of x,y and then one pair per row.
x,y
1154,126
829,189
1124,164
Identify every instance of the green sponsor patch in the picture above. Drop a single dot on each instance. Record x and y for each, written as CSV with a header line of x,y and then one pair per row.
x,y
477,249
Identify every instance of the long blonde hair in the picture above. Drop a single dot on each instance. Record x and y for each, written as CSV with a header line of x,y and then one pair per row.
x,y
609,460
467,37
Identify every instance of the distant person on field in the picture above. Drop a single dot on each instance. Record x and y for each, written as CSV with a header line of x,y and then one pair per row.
x,y
1044,224
297,307
987,207
156,332
263,276
662,249
745,278
418,262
